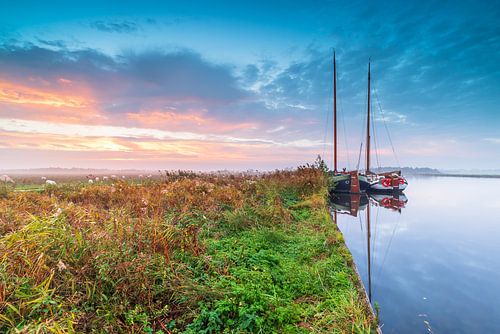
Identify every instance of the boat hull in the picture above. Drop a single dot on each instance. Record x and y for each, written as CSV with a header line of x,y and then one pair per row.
x,y
343,183
378,186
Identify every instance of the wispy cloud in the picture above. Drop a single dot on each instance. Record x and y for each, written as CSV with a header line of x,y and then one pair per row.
x,y
79,130
115,26
276,129
391,117
53,43
492,140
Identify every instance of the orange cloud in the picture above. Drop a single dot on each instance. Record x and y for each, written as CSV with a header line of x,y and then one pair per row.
x,y
18,94
23,102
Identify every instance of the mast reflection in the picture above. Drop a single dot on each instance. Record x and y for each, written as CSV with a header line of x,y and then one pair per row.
x,y
352,204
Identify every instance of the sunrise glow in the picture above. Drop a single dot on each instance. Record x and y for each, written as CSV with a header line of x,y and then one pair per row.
x,y
198,88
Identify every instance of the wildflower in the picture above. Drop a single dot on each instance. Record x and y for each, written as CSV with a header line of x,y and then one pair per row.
x,y
61,266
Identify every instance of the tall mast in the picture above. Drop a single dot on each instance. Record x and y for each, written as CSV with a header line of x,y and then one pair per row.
x,y
368,126
334,113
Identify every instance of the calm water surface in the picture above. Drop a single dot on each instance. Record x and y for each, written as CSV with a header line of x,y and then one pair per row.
x,y
435,266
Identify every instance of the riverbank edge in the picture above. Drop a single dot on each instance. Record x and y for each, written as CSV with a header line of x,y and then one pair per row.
x,y
358,282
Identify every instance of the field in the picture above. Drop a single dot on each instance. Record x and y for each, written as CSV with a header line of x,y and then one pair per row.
x,y
184,253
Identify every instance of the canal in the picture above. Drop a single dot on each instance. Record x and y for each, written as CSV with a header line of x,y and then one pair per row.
x,y
430,259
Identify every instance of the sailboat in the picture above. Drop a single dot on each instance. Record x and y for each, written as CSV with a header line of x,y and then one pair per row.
x,y
344,182
380,182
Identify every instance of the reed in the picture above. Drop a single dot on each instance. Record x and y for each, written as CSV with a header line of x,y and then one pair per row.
x,y
195,253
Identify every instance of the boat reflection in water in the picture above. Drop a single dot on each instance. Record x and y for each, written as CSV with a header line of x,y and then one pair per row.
x,y
352,204
395,201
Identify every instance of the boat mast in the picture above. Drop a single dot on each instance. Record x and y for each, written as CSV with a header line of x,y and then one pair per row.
x,y
334,114
368,126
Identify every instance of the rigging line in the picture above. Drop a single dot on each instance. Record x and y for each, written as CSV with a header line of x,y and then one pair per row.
x,y
386,127
330,90
363,131
349,164
331,151
375,234
343,123
374,241
325,137
375,142
359,156
327,123
375,138
388,247
339,86
365,241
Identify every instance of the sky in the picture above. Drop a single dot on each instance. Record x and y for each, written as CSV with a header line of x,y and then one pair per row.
x,y
208,85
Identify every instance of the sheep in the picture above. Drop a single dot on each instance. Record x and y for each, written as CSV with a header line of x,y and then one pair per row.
x,y
6,179
97,179
91,181
50,183
105,178
123,177
43,178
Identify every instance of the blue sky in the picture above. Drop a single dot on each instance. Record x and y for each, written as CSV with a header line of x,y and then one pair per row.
x,y
246,85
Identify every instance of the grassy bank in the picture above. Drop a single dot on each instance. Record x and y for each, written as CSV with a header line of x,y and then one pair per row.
x,y
189,253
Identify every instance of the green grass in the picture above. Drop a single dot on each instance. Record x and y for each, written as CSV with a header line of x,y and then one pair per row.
x,y
192,254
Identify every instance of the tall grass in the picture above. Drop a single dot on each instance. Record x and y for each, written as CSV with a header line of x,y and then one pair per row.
x,y
188,253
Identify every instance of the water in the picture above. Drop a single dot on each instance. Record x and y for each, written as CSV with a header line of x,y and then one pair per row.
x,y
435,266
